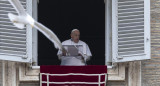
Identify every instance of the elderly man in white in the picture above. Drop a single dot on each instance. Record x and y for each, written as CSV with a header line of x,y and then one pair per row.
x,y
84,53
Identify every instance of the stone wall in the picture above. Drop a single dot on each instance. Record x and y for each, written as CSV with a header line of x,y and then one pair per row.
x,y
1,73
151,68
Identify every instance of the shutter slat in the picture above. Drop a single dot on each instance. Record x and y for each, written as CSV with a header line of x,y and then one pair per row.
x,y
129,37
129,16
12,44
6,22
130,24
121,16
131,41
133,53
12,48
130,6
129,1
12,52
135,12
130,13
9,27
14,41
5,12
11,30
131,33
127,30
130,45
9,5
12,38
130,27
11,33
135,20
131,49
6,2
10,8
130,19
133,17
131,9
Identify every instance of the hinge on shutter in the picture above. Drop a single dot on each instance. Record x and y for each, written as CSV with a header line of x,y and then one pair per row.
x,y
147,39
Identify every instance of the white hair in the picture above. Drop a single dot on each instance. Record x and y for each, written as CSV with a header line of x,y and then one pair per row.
x,y
74,30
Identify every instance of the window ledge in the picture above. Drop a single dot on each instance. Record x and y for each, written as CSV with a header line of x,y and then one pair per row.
x,y
35,67
116,73
28,74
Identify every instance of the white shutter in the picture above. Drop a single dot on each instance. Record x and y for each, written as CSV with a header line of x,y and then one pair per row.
x,y
130,30
15,44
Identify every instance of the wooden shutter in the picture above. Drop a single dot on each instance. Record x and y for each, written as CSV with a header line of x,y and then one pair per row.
x,y
15,44
130,30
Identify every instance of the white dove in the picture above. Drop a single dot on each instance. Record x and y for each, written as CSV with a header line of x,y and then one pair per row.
x,y
23,18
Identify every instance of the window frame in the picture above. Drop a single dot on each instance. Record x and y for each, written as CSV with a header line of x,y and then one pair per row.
x,y
108,30
30,72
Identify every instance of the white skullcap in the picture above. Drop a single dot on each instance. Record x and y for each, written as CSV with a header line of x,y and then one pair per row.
x,y
74,30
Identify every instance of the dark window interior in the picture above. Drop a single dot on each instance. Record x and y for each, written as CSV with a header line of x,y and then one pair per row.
x,y
61,16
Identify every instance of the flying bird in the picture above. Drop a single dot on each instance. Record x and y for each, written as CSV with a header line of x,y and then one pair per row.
x,y
23,18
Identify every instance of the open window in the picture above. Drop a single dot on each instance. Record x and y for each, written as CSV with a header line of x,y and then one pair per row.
x,y
86,15
127,32
15,44
130,30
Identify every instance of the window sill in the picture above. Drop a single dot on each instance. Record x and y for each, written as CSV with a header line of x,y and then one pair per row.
x,y
116,73
35,67
28,74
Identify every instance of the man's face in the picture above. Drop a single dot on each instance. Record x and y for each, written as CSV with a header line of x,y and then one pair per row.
x,y
75,36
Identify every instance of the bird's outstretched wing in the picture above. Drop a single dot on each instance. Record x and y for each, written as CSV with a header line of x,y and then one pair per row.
x,y
29,20
18,6
49,34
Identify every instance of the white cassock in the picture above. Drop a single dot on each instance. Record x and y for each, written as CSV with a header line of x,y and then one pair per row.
x,y
75,60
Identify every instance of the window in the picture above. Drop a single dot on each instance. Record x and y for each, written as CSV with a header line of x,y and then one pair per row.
x,y
130,30
127,32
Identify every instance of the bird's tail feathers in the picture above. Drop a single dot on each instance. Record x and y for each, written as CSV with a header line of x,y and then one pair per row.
x,y
13,18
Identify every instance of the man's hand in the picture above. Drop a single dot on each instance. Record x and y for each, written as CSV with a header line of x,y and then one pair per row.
x,y
80,54
64,52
